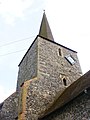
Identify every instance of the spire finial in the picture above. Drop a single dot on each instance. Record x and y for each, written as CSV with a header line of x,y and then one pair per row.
x,y
44,10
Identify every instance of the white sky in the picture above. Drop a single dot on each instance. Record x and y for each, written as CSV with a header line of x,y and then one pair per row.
x,y
19,19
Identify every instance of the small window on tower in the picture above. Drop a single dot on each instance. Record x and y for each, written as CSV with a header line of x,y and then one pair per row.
x,y
64,82
70,59
60,52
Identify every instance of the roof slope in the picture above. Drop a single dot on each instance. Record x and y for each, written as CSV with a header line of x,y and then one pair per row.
x,y
70,92
9,108
45,30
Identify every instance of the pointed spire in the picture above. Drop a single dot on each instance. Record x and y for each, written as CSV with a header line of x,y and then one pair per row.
x,y
45,30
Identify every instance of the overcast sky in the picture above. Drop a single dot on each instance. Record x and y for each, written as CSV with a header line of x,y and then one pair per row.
x,y
19,24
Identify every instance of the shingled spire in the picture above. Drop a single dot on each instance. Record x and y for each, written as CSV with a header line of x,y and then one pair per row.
x,y
45,30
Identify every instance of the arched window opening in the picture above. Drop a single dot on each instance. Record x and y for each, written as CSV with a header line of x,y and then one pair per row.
x,y
64,82
60,52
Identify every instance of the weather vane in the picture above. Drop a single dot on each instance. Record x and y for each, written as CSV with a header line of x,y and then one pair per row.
x,y
43,10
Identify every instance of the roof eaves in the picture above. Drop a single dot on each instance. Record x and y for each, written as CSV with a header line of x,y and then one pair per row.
x,y
28,50
49,41
58,44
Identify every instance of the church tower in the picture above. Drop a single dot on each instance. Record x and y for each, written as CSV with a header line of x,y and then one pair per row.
x,y
46,70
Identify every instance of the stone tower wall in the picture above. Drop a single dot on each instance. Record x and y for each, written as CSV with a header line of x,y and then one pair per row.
x,y
28,65
55,66
48,85
43,59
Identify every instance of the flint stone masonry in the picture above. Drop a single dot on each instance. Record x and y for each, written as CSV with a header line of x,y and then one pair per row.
x,y
52,65
41,95
42,59
9,109
28,65
45,90
77,109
